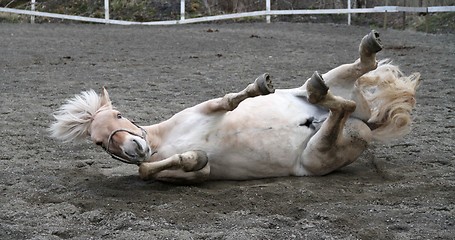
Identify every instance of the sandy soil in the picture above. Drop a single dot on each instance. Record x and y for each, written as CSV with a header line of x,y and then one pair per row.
x,y
52,190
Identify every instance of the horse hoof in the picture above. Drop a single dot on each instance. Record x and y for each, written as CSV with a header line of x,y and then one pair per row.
x,y
371,43
316,88
265,84
194,160
203,159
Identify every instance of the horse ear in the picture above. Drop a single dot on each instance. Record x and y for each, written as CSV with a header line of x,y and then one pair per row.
x,y
105,101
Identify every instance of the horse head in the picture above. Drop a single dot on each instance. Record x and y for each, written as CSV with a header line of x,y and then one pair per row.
x,y
92,115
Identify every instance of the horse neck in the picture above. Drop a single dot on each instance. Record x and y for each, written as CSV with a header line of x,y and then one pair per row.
x,y
156,133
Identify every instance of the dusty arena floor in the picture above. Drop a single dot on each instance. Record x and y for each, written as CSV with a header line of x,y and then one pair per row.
x,y
53,190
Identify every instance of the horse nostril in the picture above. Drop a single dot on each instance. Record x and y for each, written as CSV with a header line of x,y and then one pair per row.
x,y
139,145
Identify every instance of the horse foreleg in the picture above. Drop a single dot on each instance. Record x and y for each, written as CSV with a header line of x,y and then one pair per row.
x,y
191,161
340,140
261,86
180,176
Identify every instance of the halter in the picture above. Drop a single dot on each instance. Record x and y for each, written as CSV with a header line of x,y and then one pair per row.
x,y
116,157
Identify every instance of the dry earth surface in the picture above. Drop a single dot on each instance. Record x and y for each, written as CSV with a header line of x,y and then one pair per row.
x,y
51,190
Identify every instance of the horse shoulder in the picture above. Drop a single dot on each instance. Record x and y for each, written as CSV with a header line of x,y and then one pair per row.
x,y
187,130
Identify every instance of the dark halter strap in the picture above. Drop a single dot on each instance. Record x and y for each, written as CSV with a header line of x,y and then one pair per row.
x,y
109,141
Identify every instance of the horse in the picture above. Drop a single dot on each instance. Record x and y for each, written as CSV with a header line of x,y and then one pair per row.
x,y
259,132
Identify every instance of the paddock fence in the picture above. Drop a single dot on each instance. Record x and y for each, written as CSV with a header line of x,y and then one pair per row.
x,y
266,13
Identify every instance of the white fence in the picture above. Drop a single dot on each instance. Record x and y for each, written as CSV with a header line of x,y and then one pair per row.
x,y
267,13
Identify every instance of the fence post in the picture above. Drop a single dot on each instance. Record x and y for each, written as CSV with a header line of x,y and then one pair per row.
x,y
404,16
182,10
32,17
426,16
106,10
385,15
267,9
349,14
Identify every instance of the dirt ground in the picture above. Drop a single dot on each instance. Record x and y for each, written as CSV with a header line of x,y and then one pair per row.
x,y
52,190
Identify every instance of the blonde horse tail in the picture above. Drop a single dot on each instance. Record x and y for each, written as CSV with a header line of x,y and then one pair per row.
x,y
391,96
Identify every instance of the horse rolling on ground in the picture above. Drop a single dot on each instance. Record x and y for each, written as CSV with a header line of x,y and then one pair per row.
x,y
258,132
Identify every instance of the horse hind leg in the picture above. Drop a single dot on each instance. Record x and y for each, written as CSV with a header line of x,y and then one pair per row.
x,y
369,46
344,76
263,85
340,140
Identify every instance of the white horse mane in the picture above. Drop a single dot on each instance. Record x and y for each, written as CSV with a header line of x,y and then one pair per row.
x,y
73,119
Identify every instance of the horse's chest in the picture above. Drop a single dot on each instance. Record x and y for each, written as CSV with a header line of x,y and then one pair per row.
x,y
192,132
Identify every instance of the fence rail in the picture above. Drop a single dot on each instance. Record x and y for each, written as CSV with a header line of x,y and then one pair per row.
x,y
267,13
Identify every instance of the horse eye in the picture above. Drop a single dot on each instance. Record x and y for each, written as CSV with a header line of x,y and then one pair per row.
x,y
119,115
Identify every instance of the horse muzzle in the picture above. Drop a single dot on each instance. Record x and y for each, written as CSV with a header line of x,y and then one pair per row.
x,y
134,149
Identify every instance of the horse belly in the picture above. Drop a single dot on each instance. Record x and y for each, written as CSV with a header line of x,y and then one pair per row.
x,y
263,137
